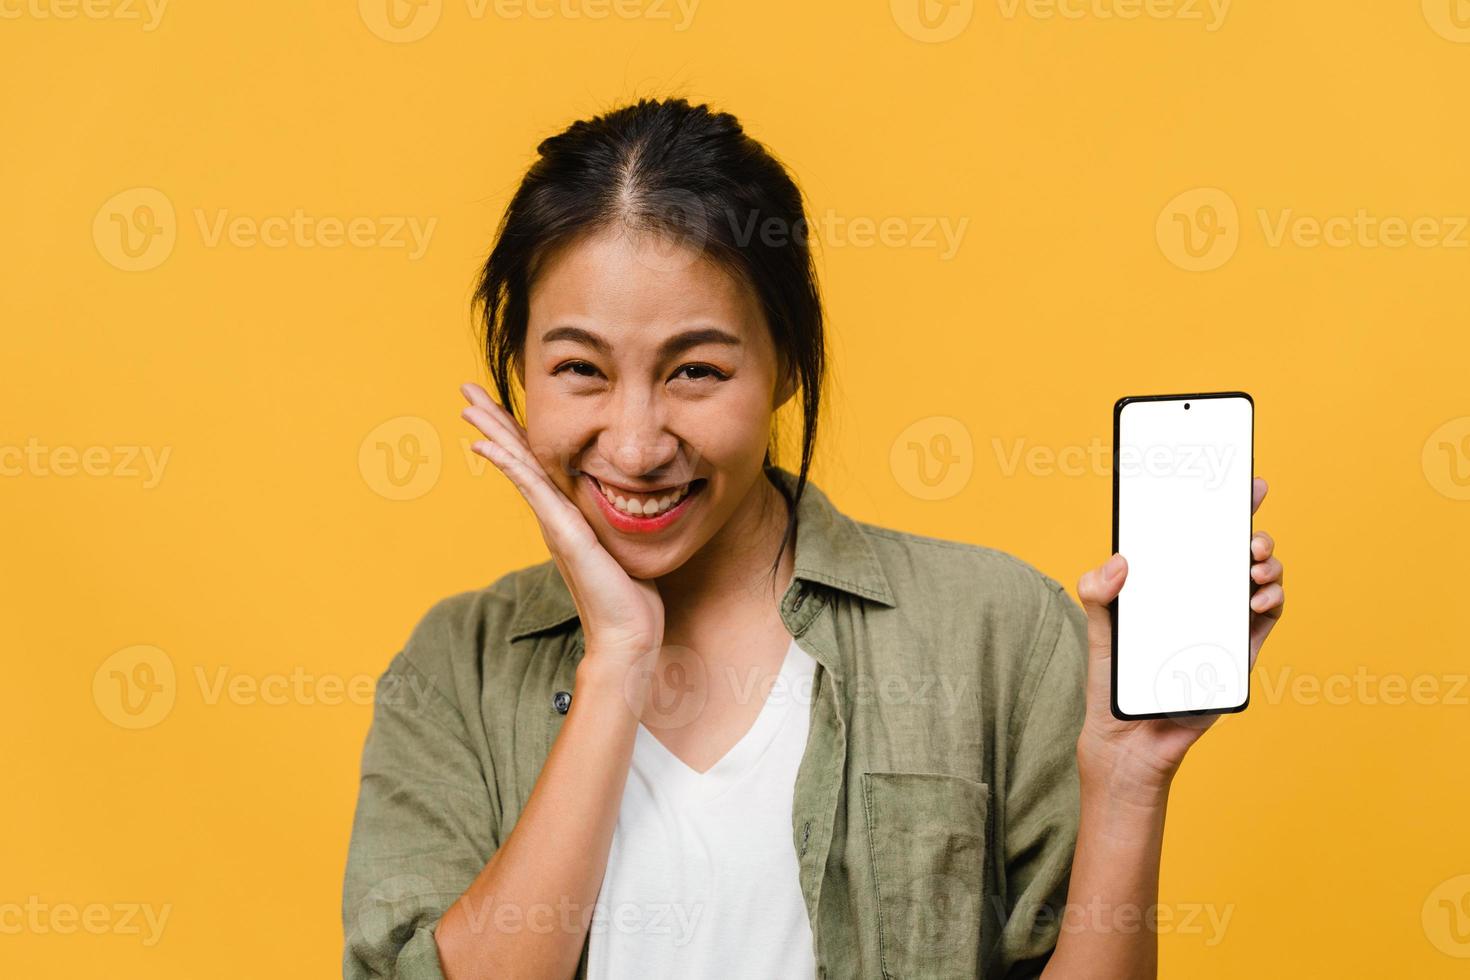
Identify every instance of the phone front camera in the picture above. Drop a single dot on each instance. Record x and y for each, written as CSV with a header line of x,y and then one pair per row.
x,y
1186,404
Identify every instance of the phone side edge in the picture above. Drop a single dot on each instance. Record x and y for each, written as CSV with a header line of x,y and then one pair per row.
x,y
1118,712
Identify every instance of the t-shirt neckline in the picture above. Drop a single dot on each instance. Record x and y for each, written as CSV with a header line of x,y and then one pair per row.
x,y
672,774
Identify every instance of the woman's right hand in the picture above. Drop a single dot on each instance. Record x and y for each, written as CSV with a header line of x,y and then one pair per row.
x,y
622,617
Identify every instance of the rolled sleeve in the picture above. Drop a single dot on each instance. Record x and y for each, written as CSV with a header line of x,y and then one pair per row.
x,y
423,829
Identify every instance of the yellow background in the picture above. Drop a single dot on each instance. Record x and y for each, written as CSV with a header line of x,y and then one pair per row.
x,y
1330,830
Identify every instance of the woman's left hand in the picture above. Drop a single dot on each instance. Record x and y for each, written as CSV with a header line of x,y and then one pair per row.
x,y
1147,753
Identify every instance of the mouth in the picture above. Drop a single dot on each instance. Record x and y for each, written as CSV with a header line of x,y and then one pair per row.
x,y
644,512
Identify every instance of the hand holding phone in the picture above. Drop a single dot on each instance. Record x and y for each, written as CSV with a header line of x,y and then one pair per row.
x,y
1136,757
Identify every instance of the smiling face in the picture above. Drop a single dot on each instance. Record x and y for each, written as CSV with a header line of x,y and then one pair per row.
x,y
653,381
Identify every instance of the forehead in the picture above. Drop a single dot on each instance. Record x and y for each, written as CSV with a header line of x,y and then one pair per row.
x,y
629,286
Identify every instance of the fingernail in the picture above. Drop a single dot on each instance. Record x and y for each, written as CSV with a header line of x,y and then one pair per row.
x,y
1114,567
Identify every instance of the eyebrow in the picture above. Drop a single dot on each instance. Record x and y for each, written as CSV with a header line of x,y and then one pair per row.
x,y
670,348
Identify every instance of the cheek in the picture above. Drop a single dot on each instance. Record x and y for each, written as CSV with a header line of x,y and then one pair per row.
x,y
732,430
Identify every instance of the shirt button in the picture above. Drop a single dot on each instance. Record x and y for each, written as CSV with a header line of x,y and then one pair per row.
x,y
561,701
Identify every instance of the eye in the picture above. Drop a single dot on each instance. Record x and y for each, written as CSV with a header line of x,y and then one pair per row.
x,y
706,371
574,366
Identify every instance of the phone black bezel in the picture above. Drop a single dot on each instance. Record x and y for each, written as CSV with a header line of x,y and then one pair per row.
x,y
1113,606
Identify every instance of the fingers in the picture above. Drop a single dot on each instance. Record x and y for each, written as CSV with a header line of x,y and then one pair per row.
x,y
505,445
477,395
527,476
497,425
495,431
492,419
505,451
1263,621
1097,588
1266,571
1268,595
1268,598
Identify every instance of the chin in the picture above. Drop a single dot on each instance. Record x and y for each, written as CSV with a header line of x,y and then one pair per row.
x,y
646,563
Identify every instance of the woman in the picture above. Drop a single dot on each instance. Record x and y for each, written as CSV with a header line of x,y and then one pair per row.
x,y
726,731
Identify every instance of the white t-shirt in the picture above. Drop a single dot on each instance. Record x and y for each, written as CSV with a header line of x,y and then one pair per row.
x,y
701,878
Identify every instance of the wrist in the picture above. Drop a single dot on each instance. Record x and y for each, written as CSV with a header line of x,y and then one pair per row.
x,y
613,679
1116,772
1125,815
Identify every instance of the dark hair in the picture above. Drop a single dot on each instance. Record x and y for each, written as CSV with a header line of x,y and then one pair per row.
x,y
690,175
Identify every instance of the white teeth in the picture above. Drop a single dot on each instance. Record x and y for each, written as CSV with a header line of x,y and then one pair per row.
x,y
641,506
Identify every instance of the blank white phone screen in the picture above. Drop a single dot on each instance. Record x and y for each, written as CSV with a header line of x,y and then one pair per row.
x,y
1184,526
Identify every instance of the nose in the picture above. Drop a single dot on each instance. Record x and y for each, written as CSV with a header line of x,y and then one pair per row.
x,y
637,441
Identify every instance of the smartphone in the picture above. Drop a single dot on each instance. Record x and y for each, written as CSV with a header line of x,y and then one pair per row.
x,y
1182,475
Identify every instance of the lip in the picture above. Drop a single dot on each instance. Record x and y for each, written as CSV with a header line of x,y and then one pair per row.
x,y
643,525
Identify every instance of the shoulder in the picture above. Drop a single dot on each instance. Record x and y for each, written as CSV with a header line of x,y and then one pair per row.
x,y
1004,634
977,608
451,621
445,649
938,573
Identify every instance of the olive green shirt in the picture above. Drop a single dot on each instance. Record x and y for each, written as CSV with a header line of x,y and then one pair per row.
x,y
935,808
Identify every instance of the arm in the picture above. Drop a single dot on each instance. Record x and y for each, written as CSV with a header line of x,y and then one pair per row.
x,y
430,891
426,817
527,913
1105,930
1125,770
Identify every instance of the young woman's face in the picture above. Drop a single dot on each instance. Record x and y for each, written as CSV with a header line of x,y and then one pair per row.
x,y
649,374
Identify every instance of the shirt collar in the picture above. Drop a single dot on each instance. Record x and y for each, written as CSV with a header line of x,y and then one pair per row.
x,y
830,549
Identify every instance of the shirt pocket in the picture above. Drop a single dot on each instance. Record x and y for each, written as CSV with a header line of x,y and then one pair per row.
x,y
927,837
